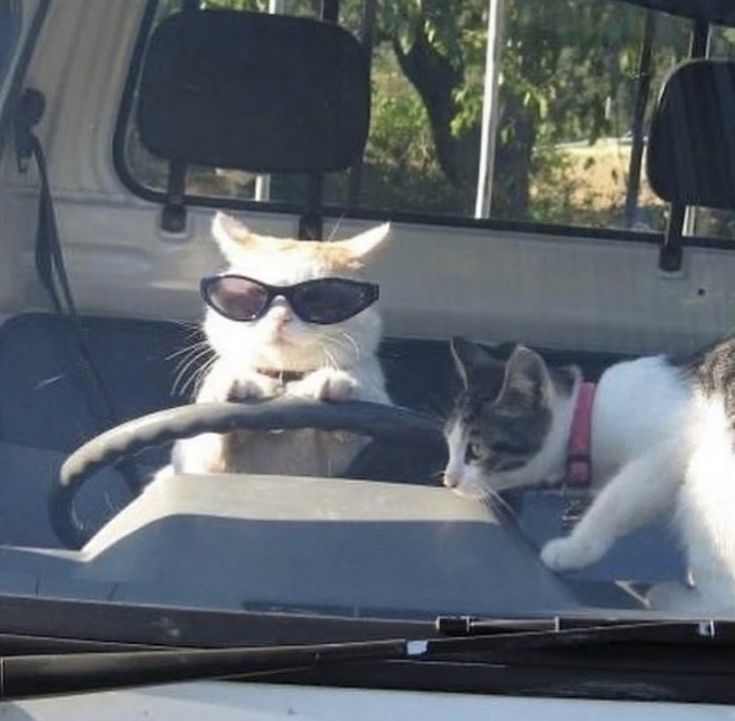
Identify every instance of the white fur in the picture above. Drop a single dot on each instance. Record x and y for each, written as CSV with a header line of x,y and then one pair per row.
x,y
705,514
640,419
339,360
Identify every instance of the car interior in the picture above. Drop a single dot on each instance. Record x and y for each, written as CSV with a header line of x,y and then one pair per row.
x,y
98,295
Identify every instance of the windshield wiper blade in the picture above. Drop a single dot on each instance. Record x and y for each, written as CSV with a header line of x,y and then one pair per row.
x,y
474,625
560,632
51,674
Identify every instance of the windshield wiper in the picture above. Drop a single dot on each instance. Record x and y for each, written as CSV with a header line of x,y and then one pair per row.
x,y
479,626
50,674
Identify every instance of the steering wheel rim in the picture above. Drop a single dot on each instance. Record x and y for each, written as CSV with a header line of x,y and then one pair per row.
x,y
377,421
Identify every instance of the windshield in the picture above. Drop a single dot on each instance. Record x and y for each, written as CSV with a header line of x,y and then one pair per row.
x,y
460,270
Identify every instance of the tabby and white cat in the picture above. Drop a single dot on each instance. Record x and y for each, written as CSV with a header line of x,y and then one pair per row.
x,y
318,344
662,440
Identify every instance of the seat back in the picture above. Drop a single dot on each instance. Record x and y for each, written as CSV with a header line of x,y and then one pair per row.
x,y
252,91
691,150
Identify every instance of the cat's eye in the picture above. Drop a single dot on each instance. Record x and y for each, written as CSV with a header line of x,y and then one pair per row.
x,y
472,452
505,448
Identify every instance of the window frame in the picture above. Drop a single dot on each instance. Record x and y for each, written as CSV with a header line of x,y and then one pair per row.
x,y
124,117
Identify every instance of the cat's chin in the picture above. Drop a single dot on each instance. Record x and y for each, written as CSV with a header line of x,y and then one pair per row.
x,y
471,492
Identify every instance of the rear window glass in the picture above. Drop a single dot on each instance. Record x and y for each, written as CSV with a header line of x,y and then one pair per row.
x,y
565,140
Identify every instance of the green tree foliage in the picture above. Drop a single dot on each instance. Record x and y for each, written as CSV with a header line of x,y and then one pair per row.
x,y
568,74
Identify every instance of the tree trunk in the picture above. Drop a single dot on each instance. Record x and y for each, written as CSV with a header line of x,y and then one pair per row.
x,y
435,81
512,178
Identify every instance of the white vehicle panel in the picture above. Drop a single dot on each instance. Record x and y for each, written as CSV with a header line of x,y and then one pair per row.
x,y
220,701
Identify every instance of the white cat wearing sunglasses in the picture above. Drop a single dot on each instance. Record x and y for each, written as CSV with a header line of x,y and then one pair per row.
x,y
288,318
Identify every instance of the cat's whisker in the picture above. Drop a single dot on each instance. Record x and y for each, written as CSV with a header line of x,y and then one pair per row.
x,y
336,227
187,366
187,355
334,342
192,357
331,360
193,328
199,376
192,325
183,365
338,343
351,340
496,502
187,349
192,381
194,332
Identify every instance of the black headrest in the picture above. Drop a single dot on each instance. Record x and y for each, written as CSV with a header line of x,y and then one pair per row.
x,y
721,12
691,151
255,92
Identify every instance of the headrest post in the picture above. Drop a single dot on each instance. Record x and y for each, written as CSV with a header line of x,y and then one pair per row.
x,y
691,146
670,255
311,222
30,110
173,215
643,89
330,11
699,39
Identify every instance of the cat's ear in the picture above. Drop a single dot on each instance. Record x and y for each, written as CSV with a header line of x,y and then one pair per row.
x,y
361,248
478,366
527,381
233,238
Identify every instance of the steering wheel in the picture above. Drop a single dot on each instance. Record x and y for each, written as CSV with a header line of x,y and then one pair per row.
x,y
380,422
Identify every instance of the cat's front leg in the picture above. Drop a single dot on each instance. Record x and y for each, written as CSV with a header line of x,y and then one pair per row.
x,y
202,454
640,491
206,453
575,551
222,385
325,384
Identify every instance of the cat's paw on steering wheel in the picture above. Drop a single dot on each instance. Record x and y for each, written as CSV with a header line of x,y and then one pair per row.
x,y
326,384
255,386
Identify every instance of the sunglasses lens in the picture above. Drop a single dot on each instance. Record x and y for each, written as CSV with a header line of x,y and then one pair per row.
x,y
236,298
331,300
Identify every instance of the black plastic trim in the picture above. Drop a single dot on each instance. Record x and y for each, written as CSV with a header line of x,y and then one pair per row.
x,y
451,221
587,674
110,622
628,672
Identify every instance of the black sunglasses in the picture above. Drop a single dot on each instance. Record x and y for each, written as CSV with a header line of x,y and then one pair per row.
x,y
324,300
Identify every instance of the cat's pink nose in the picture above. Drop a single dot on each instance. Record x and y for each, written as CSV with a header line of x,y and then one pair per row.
x,y
450,480
283,317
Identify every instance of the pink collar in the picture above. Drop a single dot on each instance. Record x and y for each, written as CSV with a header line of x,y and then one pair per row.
x,y
579,459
